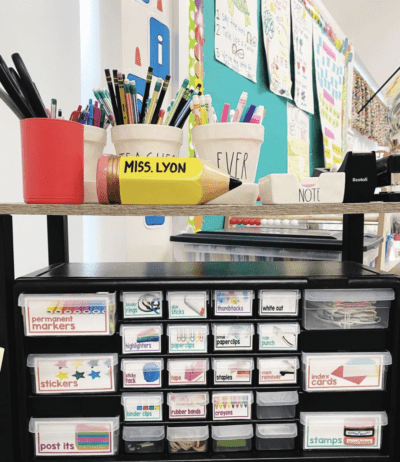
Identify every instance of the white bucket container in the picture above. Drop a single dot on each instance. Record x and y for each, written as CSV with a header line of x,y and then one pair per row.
x,y
95,142
147,140
232,147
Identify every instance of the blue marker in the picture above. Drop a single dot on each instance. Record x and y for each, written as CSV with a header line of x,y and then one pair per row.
x,y
249,114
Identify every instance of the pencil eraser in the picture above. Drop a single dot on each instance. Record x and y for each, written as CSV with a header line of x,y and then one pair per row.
x,y
101,182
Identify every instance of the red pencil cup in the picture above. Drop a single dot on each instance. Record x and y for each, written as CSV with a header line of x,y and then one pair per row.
x,y
52,161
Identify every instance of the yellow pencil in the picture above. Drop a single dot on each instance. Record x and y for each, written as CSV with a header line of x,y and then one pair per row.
x,y
121,87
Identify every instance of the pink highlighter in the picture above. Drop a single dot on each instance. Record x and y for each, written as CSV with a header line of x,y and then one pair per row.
x,y
225,113
258,116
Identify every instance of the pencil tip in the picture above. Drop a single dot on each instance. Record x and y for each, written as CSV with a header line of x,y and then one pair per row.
x,y
234,183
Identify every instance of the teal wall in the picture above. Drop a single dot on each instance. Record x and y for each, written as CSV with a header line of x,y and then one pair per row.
x,y
225,86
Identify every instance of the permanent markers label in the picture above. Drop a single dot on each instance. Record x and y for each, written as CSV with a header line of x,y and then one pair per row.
x,y
188,339
232,406
233,336
274,370
142,373
187,372
141,339
233,302
142,304
143,410
344,373
187,305
232,371
76,375
80,437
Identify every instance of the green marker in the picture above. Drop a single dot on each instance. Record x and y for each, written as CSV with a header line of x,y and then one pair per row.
x,y
177,101
150,112
134,101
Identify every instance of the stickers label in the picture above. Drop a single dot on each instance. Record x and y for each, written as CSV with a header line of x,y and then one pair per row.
x,y
335,372
282,370
142,305
187,305
187,339
233,302
142,373
278,337
183,406
232,406
141,339
76,375
75,437
86,317
282,304
187,372
353,434
233,337
144,409
232,371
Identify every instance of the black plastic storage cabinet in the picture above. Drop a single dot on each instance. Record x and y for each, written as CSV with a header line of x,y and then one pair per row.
x,y
229,392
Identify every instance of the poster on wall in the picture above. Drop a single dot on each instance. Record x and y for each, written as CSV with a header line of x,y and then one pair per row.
x,y
298,142
275,16
236,36
330,74
302,45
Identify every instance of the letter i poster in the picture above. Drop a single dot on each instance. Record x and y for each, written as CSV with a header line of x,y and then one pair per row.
x,y
330,74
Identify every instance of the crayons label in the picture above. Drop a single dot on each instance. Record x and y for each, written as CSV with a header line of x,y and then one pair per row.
x,y
143,409
232,406
284,303
183,406
283,370
187,339
76,375
335,372
142,305
68,317
233,337
81,437
187,372
232,371
233,303
278,336
353,433
142,373
187,305
144,338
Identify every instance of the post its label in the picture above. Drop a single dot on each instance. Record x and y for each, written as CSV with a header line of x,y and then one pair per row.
x,y
141,339
143,305
188,339
142,373
232,406
144,409
59,374
233,303
80,437
273,370
336,372
185,305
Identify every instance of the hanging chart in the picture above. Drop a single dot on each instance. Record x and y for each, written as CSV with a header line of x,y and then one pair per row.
x,y
298,142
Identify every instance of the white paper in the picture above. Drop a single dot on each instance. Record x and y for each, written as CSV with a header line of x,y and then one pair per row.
x,y
330,74
275,15
298,142
302,45
236,36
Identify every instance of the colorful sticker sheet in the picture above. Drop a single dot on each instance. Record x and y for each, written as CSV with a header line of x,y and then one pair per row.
x,y
298,142
275,16
302,45
236,36
329,70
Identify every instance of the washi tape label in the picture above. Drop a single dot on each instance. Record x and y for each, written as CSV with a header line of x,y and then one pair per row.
x,y
89,317
274,370
78,437
233,336
144,338
142,304
76,375
354,433
238,371
233,302
142,373
187,372
278,336
183,406
282,303
232,406
335,372
187,305
144,409
188,338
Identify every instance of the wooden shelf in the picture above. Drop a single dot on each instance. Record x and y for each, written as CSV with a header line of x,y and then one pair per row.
x,y
201,210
